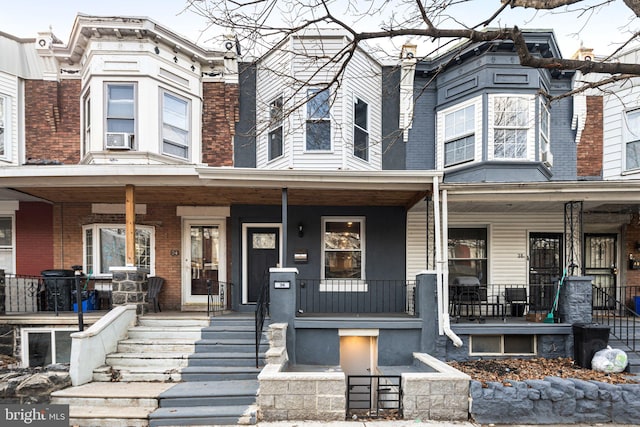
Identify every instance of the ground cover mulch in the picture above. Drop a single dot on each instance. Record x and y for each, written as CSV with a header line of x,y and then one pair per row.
x,y
508,370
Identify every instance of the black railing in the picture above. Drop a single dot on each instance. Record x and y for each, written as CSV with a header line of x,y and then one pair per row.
x,y
374,396
501,301
218,296
354,296
608,310
262,311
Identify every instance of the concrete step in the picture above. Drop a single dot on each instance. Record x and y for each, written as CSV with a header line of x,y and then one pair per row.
x,y
224,359
164,322
229,346
164,332
107,373
163,359
156,345
206,393
110,404
219,373
203,415
230,334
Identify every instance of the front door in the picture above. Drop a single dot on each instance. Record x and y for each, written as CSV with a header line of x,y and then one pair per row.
x,y
600,261
261,252
204,269
545,269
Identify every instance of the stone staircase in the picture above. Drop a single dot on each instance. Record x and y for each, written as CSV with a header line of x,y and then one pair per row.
x,y
173,371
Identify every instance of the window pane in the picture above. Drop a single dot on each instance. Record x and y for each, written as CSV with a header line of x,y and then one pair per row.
x,y
39,348
342,235
63,346
459,122
633,155
518,344
485,344
318,135
360,113
510,112
120,125
112,249
275,143
175,111
342,265
275,111
467,249
143,249
318,106
6,238
361,144
120,102
88,241
459,150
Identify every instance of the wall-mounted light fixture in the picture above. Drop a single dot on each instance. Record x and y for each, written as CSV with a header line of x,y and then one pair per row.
x,y
300,230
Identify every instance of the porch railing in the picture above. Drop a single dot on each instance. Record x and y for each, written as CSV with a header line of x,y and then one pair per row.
x,y
218,296
31,294
374,396
621,319
354,296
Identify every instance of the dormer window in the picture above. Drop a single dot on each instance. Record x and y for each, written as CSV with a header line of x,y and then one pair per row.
x,y
175,125
318,120
121,121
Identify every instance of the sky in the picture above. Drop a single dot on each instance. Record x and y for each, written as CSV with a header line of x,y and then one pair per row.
x,y
601,31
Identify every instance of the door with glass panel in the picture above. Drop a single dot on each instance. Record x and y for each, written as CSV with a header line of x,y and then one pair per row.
x,y
204,270
262,251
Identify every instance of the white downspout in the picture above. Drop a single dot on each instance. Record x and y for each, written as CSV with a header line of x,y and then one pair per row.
x,y
442,286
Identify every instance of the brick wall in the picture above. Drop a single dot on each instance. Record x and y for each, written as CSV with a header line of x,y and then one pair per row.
x,y
590,148
52,121
70,217
34,238
219,115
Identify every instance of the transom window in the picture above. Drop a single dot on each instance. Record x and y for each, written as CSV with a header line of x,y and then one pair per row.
x,y
361,129
343,248
175,125
120,115
459,135
510,127
318,130
275,128
468,253
104,247
632,139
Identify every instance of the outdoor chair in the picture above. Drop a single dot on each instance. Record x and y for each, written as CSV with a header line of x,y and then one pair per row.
x,y
517,299
155,286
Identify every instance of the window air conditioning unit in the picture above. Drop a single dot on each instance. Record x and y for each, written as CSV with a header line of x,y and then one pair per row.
x,y
119,141
547,158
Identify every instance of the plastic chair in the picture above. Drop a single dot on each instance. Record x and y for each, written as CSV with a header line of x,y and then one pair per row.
x,y
155,285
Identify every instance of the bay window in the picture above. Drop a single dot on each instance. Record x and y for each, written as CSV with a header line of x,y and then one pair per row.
x,y
104,247
510,127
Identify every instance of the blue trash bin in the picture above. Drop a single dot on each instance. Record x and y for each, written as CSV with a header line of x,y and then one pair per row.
x,y
637,305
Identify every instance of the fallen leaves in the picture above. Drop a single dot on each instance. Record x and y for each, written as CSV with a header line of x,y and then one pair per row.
x,y
507,370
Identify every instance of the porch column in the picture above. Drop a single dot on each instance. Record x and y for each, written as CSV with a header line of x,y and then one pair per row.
x,y
427,310
282,306
129,287
130,223
574,305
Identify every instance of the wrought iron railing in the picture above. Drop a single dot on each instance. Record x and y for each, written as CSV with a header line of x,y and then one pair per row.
x,y
622,320
374,396
262,311
355,296
218,296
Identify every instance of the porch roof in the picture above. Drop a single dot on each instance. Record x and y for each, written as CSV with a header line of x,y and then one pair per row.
x,y
598,197
196,185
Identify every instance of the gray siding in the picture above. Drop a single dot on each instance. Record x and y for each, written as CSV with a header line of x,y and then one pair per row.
x,y
393,144
244,153
421,152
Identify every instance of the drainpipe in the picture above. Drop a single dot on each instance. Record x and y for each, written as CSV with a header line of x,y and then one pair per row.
x,y
441,285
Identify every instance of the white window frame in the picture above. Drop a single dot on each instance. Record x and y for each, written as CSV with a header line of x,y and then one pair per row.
x,y
528,128
312,119
276,126
630,136
365,130
501,351
95,252
463,135
5,126
107,117
362,250
166,140
477,130
545,137
24,336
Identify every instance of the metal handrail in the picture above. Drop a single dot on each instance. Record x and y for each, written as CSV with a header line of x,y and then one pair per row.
x,y
607,309
262,311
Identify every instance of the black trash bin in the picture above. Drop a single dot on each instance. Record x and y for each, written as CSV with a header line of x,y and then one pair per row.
x,y
58,285
588,339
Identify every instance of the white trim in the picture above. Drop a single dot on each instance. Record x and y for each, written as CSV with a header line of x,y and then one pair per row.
x,y
187,223
203,211
8,132
440,131
9,207
24,332
245,267
358,332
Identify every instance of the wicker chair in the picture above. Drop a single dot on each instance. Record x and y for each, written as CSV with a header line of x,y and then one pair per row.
x,y
155,286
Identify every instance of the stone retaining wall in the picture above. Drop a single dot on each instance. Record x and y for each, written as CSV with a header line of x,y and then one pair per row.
x,y
555,400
